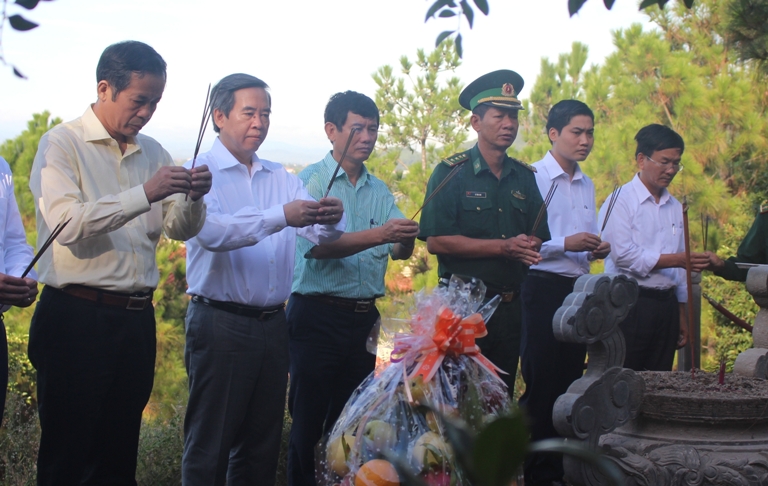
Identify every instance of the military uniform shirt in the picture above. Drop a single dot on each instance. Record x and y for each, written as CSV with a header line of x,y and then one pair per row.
x,y
753,249
475,204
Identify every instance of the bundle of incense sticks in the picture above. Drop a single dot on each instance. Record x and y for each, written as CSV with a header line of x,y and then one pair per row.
x,y
611,204
203,124
56,231
704,230
442,184
543,210
338,165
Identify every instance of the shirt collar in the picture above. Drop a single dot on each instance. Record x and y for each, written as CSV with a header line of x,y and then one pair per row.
x,y
479,164
330,164
643,193
93,129
554,170
225,159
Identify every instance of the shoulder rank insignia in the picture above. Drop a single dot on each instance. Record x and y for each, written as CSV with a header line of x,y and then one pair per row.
x,y
456,159
527,166
764,207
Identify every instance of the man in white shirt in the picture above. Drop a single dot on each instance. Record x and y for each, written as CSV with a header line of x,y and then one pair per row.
x,y
92,337
645,230
548,365
240,270
15,256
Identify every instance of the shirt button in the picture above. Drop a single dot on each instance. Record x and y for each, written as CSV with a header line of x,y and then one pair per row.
x,y
502,236
478,208
500,210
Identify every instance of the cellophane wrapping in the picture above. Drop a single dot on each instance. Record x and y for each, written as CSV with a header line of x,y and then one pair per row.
x,y
382,422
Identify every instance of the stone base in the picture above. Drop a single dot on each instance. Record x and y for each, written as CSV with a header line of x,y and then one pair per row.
x,y
752,362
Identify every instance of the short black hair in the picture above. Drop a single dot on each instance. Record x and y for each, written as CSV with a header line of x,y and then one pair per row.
x,y
481,109
341,104
120,61
223,94
657,137
561,114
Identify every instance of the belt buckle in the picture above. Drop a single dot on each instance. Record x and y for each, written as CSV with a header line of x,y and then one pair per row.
x,y
267,315
362,306
508,296
136,303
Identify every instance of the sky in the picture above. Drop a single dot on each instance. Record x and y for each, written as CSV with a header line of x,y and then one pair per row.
x,y
306,50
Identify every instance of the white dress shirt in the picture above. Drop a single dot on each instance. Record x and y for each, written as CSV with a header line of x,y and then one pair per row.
x,y
110,242
571,211
245,251
15,252
640,231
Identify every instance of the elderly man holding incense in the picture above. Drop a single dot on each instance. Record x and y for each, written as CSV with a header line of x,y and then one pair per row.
x,y
239,270
488,221
110,192
647,243
548,365
335,286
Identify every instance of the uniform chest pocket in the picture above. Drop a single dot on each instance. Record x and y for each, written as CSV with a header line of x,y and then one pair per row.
x,y
518,206
478,218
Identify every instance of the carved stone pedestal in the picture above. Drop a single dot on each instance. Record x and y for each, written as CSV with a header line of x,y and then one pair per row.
x,y
754,362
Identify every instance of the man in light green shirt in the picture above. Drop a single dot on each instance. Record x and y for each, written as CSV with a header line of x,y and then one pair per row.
x,y
332,308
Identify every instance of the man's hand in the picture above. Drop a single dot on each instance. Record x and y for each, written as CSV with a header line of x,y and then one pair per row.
x,y
167,181
715,262
17,291
400,231
331,210
582,242
699,261
522,249
602,251
201,182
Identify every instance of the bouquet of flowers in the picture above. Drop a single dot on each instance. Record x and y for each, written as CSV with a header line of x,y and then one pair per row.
x,y
436,364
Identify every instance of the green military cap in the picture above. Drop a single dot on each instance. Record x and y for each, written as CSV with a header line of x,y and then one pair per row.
x,y
499,88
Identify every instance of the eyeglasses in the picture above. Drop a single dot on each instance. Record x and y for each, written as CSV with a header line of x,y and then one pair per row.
x,y
675,166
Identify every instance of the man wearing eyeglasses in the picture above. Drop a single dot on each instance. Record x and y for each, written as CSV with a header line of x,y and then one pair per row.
x,y
645,231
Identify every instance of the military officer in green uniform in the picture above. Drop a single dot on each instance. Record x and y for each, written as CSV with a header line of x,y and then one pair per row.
x,y
480,223
753,249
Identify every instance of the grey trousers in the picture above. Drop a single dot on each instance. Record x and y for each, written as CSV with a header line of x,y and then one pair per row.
x,y
238,372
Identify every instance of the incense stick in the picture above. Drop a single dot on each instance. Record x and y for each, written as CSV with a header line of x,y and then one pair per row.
x,y
338,165
442,184
689,282
543,209
611,203
56,231
201,133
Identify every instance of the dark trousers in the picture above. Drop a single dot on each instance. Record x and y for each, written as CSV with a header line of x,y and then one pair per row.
x,y
502,344
328,362
651,331
3,367
95,368
549,367
238,371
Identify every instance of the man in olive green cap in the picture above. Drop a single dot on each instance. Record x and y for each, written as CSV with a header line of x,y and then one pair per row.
x,y
480,223
753,249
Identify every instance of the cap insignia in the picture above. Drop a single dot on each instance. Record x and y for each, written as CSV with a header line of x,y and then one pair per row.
x,y
508,90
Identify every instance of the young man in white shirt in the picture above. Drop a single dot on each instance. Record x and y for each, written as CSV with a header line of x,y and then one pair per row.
x,y
548,365
239,270
646,234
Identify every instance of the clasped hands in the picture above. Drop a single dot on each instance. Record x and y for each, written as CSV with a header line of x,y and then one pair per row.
x,y
171,180
20,292
301,213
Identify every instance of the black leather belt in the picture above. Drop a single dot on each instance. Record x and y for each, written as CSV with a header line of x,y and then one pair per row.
x,y
658,294
258,313
561,279
507,295
356,305
134,302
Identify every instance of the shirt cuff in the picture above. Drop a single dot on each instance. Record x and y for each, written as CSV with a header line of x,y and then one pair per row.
x,y
134,202
274,219
643,266
553,247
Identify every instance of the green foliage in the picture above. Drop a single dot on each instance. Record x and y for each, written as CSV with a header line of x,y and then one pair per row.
x,y
20,152
451,9
748,28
